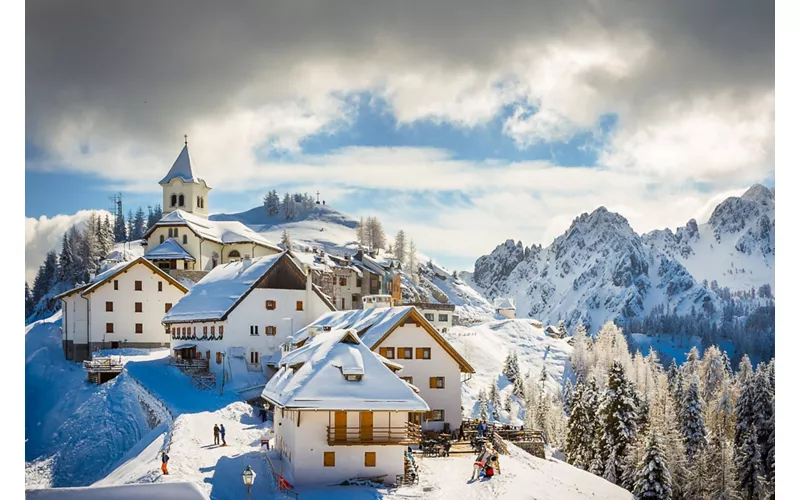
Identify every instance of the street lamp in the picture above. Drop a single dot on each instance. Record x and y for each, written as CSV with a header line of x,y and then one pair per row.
x,y
249,477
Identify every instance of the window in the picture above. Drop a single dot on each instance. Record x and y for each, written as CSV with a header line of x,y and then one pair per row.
x,y
137,285
161,239
220,331
358,282
180,200
139,328
299,305
198,202
369,459
173,200
437,383
343,307
212,330
435,415
219,358
167,307
253,330
410,380
423,353
253,358
116,285
137,307
329,459
270,330
386,352
109,327
109,306
270,305
405,353
205,331
352,377
429,316
160,286
442,317
342,281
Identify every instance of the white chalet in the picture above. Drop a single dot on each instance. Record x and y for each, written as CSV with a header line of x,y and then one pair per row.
x,y
120,307
505,307
341,412
401,333
184,239
238,315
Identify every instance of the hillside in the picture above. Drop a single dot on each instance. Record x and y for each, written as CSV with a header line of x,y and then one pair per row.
x,y
600,269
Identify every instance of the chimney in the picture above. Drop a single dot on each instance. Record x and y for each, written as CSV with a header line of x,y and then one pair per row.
x,y
246,262
308,282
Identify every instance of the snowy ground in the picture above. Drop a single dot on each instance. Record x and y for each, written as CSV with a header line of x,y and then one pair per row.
x,y
485,347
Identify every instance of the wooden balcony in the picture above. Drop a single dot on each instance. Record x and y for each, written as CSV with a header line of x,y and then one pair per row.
x,y
189,366
405,434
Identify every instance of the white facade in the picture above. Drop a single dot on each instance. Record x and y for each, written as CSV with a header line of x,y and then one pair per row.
x,y
440,318
88,324
505,307
302,440
246,327
420,371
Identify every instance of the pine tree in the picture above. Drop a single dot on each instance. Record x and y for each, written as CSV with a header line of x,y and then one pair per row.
x,y
511,367
579,448
580,354
567,397
749,466
744,371
720,474
131,227
413,266
399,248
28,301
494,398
66,261
519,387
653,478
361,232
507,403
619,420
138,225
672,375
483,405
286,240
272,203
120,228
45,277
562,329
763,412
712,371
694,430
692,364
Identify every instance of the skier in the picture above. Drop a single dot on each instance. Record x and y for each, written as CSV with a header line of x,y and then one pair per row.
x,y
222,433
216,434
480,461
164,460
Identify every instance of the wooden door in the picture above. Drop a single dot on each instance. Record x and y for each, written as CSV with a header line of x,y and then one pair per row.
x,y
366,426
340,425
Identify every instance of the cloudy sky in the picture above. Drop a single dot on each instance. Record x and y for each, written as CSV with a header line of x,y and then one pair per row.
x,y
463,122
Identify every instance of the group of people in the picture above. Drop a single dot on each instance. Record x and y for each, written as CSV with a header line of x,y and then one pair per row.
x,y
487,462
219,431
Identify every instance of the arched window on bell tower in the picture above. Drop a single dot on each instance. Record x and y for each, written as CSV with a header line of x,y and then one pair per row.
x,y
180,201
173,200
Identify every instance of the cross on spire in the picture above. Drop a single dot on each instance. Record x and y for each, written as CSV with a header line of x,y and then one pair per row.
x,y
185,140
318,196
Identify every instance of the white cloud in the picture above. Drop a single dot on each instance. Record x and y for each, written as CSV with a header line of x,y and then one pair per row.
x,y
44,234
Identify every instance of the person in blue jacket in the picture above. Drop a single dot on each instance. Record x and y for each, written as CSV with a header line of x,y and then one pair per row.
x,y
222,434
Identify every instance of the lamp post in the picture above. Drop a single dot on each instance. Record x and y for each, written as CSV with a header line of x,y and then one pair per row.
x,y
249,477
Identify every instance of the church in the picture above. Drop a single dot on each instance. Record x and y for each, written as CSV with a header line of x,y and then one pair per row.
x,y
185,243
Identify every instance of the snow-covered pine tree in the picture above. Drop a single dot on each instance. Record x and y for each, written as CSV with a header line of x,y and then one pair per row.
x,y
288,207
91,249
483,405
567,397
692,364
580,355
720,473
361,232
763,412
75,239
726,362
653,479
542,419
153,215
678,389
672,375
562,329
66,262
507,403
399,248
744,371
694,429
286,240
45,277
619,415
510,367
519,387
413,265
749,466
579,448
494,397
120,228
711,372
131,227
377,238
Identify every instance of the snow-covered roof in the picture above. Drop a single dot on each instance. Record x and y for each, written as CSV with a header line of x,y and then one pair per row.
x,y
108,273
169,250
225,232
504,303
140,491
313,377
373,325
182,168
220,290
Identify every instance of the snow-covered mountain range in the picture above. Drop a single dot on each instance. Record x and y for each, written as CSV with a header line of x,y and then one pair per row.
x,y
600,269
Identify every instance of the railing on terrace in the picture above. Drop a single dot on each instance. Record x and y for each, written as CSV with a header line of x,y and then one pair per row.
x,y
103,365
190,365
407,433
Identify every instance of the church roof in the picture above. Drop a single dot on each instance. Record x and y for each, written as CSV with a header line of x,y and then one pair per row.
x,y
224,232
169,250
182,168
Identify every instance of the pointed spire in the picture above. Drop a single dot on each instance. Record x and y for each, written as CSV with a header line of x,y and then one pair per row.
x,y
185,140
182,168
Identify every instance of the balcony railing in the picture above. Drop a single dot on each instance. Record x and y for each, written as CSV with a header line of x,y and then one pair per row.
x,y
406,434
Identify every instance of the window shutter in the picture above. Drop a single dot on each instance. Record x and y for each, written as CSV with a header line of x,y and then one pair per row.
x,y
433,383
419,353
329,459
382,351
369,459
